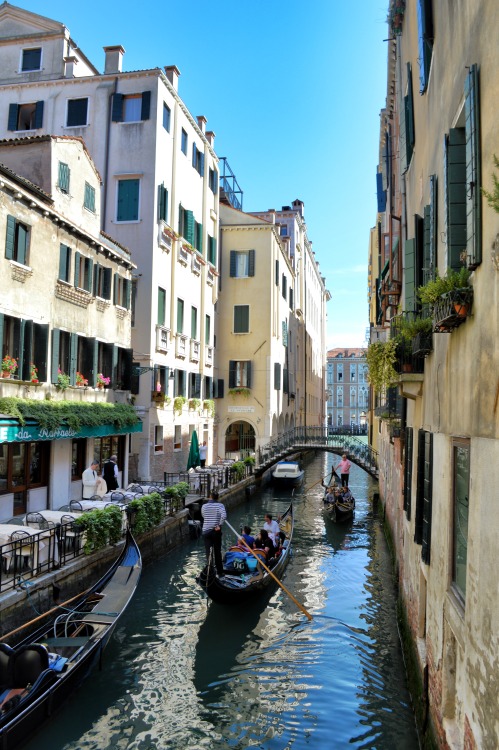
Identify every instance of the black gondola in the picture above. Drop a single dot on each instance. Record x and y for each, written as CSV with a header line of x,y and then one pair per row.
x,y
233,587
340,510
42,670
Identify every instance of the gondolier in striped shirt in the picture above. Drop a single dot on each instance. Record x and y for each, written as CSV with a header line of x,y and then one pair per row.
x,y
214,514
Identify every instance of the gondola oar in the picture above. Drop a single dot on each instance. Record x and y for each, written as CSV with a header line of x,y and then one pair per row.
x,y
283,587
44,614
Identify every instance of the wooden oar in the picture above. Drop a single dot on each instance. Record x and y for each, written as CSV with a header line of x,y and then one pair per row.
x,y
40,617
313,485
283,587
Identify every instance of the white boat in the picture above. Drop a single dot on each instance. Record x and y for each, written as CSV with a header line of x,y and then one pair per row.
x,y
287,474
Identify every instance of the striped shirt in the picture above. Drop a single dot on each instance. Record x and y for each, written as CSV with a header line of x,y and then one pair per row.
x,y
213,515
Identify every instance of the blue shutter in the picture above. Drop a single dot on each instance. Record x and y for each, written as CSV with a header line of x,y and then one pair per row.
x,y
10,237
201,164
194,155
39,115
117,109
473,172
277,273
380,193
146,105
233,260
251,263
13,112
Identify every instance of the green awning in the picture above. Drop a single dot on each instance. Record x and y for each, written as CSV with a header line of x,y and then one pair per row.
x,y
12,431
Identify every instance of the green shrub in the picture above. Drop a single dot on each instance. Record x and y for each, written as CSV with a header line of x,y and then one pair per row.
x,y
102,527
238,468
149,511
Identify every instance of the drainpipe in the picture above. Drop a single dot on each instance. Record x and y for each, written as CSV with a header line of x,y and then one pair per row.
x,y
106,156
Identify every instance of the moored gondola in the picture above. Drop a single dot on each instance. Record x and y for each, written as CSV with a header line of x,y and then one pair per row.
x,y
238,585
42,670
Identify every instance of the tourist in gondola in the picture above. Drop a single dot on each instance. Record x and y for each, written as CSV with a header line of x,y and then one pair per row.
x,y
214,514
272,527
266,544
330,496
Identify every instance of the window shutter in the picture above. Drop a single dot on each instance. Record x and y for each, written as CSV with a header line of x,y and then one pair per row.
x,y
455,193
56,338
277,273
212,251
117,109
232,374
115,288
134,380
161,306
10,237
181,220
233,260
126,289
63,262
128,200
194,323
13,113
427,500
409,275
146,105
114,366
22,244
291,298
277,376
473,172
410,137
251,263
194,155
40,349
408,472
418,519
189,229
197,385
23,344
248,374
433,224
381,194
73,357
106,291
97,268
77,112
77,269
285,380
180,315
64,177
39,115
162,203
220,388
89,264
201,164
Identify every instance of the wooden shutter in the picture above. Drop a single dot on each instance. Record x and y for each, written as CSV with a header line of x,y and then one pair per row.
x,y
425,41
40,349
64,177
106,291
134,379
277,273
117,108
189,227
73,357
233,262
194,155
197,385
146,105
77,269
86,365
64,254
22,342
220,388
180,315
410,136
13,116
291,298
161,306
194,323
381,193
285,380
251,263
232,374
277,376
162,203
408,471
56,339
97,269
427,497
10,238
432,259
39,115
128,200
22,244
201,164
455,194
114,366
248,374
418,519
77,112
409,275
473,170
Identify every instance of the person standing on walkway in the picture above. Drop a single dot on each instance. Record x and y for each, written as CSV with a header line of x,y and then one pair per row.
x,y
214,514
110,473
344,467
90,479
203,450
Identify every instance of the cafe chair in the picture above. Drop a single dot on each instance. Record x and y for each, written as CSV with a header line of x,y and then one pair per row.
x,y
20,549
136,488
76,506
117,497
68,531
96,498
36,521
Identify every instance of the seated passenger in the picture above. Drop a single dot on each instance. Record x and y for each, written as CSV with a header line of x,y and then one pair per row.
x,y
267,544
272,527
330,496
246,535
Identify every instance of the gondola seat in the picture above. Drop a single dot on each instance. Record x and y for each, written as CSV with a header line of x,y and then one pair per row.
x,y
28,662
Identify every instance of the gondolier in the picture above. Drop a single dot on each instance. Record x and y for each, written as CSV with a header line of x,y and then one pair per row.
x,y
344,467
214,514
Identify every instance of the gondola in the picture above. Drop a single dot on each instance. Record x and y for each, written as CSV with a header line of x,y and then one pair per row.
x,y
235,587
339,511
41,671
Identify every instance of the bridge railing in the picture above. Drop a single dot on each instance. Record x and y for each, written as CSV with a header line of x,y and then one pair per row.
x,y
320,437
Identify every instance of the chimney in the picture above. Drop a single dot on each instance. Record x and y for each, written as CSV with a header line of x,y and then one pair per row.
x,y
69,66
202,123
172,73
114,59
298,205
210,135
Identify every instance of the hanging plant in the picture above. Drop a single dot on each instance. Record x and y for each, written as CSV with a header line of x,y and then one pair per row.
x,y
194,403
178,404
209,406
240,391
381,357
74,414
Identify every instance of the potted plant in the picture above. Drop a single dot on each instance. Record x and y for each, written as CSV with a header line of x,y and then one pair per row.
x,y
194,403
431,292
449,297
178,404
33,373
80,380
9,366
239,391
381,357
209,406
63,380
102,381
416,332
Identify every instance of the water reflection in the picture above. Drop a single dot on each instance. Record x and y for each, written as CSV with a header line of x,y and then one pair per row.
x,y
184,673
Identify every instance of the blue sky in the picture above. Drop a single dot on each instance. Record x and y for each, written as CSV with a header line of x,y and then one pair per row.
x,y
292,90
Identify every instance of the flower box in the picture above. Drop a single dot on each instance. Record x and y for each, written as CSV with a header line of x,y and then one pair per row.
x,y
452,309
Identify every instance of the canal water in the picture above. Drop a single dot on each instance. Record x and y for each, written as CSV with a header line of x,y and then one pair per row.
x,y
184,673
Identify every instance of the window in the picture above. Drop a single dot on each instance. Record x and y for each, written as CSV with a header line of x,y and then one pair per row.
x,y
121,291
242,264
352,372
339,372
212,250
83,272
17,241
102,281
207,330
239,374
213,181
194,385
25,116
78,457
409,437
131,107
284,287
158,438
183,142
277,376
410,137
422,527
425,41
241,318
161,306
353,396
186,224
128,200
198,236
22,466
339,420
291,299
31,59
110,446
194,323
208,387
26,342
64,175
89,198
283,230
197,160
162,203
77,114
64,263
180,315
460,513
177,438
339,395
167,114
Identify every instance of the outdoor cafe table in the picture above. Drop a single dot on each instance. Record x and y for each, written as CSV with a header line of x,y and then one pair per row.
x,y
86,505
41,549
54,516
127,496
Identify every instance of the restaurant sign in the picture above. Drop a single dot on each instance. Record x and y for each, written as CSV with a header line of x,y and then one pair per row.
x,y
16,433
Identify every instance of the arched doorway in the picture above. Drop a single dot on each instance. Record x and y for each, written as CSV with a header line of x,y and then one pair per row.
x,y
240,440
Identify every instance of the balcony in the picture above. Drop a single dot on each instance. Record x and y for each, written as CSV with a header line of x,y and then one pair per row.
x,y
162,338
181,345
183,254
208,356
452,309
196,264
210,277
195,351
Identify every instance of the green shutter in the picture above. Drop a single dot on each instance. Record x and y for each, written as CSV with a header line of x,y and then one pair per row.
x,y
473,169
77,269
207,329
248,374
40,349
106,291
180,316
410,137
22,244
162,203
409,275
64,255
92,380
161,306
427,243
433,224
38,115
455,193
73,357
114,367
115,288
64,173
277,376
194,323
10,237
13,113
128,200
233,261
251,263
189,228
56,339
